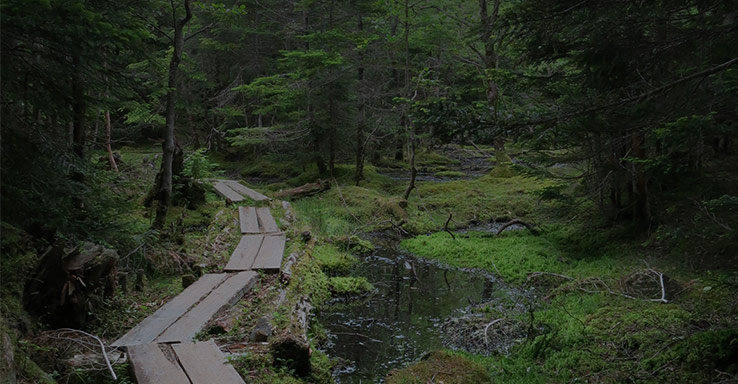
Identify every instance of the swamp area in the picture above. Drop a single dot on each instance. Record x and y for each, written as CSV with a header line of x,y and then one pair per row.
x,y
460,191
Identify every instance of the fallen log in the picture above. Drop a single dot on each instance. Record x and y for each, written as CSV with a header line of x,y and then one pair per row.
x,y
287,268
309,189
290,347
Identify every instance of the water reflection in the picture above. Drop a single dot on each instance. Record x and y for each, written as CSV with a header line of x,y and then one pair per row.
x,y
402,320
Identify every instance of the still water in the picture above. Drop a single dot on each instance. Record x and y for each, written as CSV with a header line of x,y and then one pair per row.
x,y
403,318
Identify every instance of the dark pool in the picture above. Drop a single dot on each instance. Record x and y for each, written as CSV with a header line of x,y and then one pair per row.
x,y
403,319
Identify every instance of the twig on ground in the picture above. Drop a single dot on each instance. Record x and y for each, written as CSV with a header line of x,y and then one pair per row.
x,y
445,226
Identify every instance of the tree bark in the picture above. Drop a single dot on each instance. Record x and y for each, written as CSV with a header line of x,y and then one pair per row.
x,y
361,123
406,118
168,146
490,62
413,169
79,107
108,135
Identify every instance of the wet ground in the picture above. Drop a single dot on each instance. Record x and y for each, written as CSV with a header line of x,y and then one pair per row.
x,y
404,318
470,163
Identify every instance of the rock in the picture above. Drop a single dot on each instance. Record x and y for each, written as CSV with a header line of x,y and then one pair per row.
x,y
306,236
261,332
7,363
187,280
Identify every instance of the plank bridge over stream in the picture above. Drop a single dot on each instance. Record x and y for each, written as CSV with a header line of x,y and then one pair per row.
x,y
161,348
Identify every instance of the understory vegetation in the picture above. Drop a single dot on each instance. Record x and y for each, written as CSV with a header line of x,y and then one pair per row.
x,y
582,155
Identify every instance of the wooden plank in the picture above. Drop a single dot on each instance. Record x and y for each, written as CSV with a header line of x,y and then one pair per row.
x,y
268,224
194,321
249,220
151,366
245,191
245,254
271,253
205,364
151,327
225,190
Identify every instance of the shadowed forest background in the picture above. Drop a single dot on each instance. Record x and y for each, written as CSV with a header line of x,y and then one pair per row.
x,y
603,133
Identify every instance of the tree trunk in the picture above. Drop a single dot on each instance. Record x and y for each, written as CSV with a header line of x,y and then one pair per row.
x,y
108,134
413,169
331,135
168,146
641,207
405,115
361,123
490,62
79,108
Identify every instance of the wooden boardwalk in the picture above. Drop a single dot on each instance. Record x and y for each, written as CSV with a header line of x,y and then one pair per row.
x,y
160,348
257,220
235,191
188,313
258,252
194,363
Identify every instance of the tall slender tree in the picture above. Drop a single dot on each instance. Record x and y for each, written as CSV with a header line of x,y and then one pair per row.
x,y
169,146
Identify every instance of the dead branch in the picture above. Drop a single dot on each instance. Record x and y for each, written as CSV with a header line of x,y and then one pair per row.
x,y
493,322
484,154
530,227
68,334
445,226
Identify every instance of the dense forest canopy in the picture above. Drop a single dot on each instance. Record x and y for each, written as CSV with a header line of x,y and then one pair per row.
x,y
628,110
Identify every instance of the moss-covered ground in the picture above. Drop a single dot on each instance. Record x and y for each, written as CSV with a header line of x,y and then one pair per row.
x,y
597,317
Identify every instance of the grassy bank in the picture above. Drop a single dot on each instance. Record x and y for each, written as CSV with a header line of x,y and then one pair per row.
x,y
600,316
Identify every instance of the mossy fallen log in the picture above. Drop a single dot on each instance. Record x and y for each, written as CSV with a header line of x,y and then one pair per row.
x,y
306,190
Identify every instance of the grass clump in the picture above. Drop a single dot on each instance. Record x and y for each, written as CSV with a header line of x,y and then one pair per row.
x,y
441,367
353,243
512,255
349,286
332,259
449,174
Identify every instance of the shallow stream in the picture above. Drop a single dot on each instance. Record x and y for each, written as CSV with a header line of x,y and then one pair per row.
x,y
403,319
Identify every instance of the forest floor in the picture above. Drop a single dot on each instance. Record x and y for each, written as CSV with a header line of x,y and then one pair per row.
x,y
609,306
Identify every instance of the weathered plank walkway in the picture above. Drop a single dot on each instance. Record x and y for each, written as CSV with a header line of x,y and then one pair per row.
x,y
186,314
224,190
160,349
235,191
257,220
258,252
194,363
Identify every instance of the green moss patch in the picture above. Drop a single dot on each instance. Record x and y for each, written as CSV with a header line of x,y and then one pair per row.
x,y
441,367
332,259
349,286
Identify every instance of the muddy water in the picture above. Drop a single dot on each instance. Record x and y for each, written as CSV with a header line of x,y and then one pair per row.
x,y
403,318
